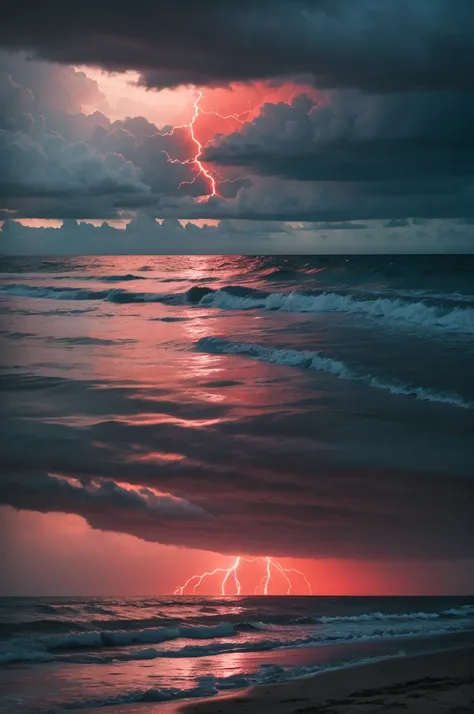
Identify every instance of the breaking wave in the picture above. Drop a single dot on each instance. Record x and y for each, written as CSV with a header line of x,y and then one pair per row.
x,y
67,622
219,648
420,313
92,648
211,685
42,647
314,360
105,645
70,293
410,311
454,612
120,638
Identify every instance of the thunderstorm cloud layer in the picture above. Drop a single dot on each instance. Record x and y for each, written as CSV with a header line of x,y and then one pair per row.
x,y
299,495
376,127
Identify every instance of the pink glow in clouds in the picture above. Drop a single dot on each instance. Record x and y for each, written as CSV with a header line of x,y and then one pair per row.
x,y
60,554
171,107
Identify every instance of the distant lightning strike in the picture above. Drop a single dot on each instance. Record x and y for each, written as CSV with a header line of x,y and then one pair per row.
x,y
231,574
201,170
227,116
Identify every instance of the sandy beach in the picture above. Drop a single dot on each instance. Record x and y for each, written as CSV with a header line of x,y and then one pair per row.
x,y
428,684
436,683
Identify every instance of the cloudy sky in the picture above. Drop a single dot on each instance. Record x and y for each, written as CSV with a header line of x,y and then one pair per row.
x,y
301,124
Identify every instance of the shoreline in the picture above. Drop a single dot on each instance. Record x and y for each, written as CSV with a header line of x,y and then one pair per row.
x,y
440,681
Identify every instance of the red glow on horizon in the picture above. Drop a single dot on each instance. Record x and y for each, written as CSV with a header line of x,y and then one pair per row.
x,y
232,573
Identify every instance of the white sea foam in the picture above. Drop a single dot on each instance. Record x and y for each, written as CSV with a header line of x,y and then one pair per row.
x,y
293,358
457,319
412,312
121,638
461,611
210,685
16,653
314,360
381,616
118,295
102,647
350,630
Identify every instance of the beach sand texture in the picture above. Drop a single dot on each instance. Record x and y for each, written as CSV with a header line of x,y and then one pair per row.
x,y
431,684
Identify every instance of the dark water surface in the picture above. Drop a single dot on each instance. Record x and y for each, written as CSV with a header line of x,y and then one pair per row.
x,y
66,653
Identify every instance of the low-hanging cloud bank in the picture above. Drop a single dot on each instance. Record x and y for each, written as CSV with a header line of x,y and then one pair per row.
x,y
143,235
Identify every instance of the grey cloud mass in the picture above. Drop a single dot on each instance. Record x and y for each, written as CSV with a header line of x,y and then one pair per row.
x,y
64,163
144,236
386,135
349,136
50,492
375,45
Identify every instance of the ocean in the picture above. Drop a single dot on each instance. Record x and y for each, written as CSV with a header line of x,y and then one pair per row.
x,y
61,654
352,370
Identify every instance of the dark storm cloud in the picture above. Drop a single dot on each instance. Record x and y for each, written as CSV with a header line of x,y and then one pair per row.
x,y
253,497
348,136
327,202
47,492
353,155
38,162
347,156
57,162
383,45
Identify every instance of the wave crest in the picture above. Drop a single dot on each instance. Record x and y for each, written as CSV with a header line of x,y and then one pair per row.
x,y
314,360
458,319
235,297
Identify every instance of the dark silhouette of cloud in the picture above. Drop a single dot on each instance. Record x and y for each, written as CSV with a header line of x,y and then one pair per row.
x,y
349,136
344,507
388,45
48,492
143,235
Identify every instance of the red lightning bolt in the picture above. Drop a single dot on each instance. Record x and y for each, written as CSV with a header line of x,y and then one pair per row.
x,y
232,573
201,170
227,116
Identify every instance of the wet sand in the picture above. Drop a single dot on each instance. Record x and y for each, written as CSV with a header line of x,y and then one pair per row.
x,y
436,683
442,682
